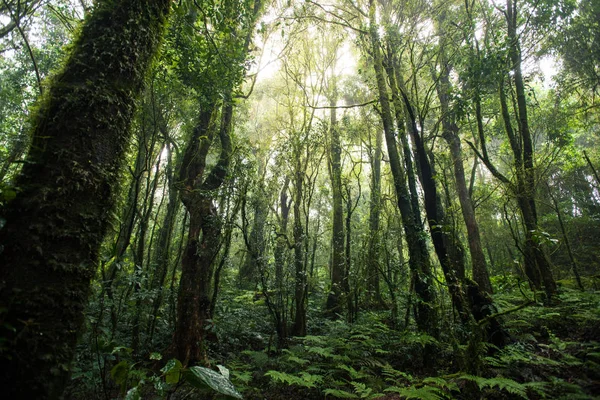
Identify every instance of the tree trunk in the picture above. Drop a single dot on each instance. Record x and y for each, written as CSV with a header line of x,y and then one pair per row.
x,y
335,299
248,276
452,266
195,288
280,262
163,248
140,269
566,239
450,134
299,327
123,241
526,188
193,306
425,314
373,266
352,308
56,224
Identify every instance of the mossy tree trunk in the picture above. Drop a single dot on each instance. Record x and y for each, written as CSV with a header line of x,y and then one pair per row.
x,y
373,267
535,257
335,300
300,278
450,134
55,225
419,262
280,251
249,276
163,246
204,234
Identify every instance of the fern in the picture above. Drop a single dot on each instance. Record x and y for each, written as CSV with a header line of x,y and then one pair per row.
x,y
420,338
303,380
361,389
259,358
297,360
322,351
317,340
422,393
540,388
340,394
354,374
515,356
505,384
393,375
442,383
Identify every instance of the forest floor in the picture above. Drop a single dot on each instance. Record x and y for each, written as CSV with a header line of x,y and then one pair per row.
x,y
553,353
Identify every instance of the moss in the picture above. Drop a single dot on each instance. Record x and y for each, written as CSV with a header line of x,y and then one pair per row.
x,y
56,223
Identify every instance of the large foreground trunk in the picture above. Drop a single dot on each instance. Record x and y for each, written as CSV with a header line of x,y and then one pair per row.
x,y
55,225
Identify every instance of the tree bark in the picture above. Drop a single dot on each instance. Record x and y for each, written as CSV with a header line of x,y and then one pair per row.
x,y
335,300
450,135
56,224
526,184
280,262
299,326
451,266
248,275
374,250
419,262
195,288
163,249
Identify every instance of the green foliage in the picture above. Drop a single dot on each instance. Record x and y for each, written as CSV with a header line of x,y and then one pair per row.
x,y
208,54
200,377
304,379
504,384
172,371
421,393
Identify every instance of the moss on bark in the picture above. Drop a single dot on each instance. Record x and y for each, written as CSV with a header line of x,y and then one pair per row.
x,y
55,225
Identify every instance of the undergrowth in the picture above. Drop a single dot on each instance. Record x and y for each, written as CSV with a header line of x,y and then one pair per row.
x,y
554,353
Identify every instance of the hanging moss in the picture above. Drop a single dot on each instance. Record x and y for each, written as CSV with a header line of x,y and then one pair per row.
x,y
55,225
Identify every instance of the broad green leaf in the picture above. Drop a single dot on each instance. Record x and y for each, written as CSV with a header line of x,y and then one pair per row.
x,y
201,377
133,394
172,371
224,371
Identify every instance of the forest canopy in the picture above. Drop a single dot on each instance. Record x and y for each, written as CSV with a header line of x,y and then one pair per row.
x,y
299,199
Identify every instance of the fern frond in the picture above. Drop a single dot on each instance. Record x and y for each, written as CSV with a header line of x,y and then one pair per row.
x,y
339,394
422,393
505,384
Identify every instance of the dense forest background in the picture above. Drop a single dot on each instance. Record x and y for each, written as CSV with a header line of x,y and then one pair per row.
x,y
300,199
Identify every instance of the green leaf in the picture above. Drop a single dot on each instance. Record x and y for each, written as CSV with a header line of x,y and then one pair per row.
x,y
155,356
119,372
297,360
172,371
133,394
201,377
224,371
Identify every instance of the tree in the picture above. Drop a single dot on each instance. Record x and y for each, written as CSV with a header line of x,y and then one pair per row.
x,y
451,136
419,256
57,221
199,185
